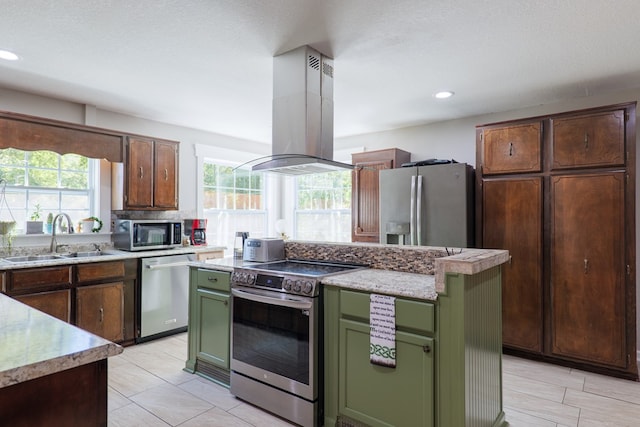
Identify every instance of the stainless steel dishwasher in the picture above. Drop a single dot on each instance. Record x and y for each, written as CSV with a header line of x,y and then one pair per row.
x,y
164,295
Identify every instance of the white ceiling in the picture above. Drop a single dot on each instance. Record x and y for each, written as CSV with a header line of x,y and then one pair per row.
x,y
207,64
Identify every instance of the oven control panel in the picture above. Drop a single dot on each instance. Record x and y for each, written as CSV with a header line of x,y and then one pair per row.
x,y
288,283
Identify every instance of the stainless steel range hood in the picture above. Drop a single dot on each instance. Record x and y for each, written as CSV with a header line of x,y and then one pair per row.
x,y
302,132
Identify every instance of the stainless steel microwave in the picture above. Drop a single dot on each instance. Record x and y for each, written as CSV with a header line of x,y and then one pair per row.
x,y
144,235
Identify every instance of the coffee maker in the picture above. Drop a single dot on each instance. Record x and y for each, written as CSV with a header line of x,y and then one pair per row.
x,y
196,230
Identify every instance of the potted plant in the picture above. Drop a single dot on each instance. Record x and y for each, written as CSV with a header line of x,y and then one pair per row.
x,y
34,226
49,224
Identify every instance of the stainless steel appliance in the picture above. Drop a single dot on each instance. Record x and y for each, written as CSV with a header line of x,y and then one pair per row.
x,y
427,205
164,296
276,337
148,234
302,131
263,250
196,231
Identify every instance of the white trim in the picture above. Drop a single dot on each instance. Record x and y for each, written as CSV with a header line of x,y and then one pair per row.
x,y
223,155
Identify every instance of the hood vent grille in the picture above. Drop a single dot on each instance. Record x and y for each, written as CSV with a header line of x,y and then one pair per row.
x,y
302,134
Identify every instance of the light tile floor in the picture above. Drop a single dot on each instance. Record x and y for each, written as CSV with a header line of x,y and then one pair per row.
x,y
147,387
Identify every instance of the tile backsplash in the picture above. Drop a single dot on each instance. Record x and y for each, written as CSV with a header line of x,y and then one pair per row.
x,y
408,259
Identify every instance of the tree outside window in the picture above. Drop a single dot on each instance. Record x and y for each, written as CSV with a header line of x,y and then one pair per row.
x,y
233,201
54,182
323,207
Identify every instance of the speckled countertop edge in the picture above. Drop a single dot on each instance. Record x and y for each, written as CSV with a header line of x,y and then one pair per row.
x,y
109,255
471,261
34,344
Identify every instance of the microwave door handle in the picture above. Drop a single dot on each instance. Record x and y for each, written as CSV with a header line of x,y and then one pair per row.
x,y
412,211
302,305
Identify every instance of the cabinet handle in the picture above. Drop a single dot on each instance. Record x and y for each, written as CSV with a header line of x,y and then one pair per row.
x,y
101,314
426,348
510,149
141,173
212,279
166,174
586,141
226,302
586,266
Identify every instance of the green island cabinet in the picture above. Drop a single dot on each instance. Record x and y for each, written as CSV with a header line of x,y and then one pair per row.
x,y
209,324
448,358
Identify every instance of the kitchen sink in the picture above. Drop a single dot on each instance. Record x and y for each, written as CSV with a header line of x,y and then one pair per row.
x,y
31,258
83,254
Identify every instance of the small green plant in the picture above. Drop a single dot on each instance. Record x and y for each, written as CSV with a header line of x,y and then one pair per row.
x,y
35,216
50,218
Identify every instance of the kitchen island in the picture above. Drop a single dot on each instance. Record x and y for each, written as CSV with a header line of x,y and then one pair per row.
x,y
448,361
448,334
51,373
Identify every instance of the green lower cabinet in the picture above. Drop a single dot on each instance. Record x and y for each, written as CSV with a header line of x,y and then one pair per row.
x,y
382,396
358,392
213,330
209,324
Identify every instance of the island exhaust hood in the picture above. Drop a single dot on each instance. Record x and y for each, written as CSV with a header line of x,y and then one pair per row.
x,y
302,134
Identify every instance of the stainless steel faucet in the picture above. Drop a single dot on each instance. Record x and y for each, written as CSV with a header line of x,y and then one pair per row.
x,y
54,244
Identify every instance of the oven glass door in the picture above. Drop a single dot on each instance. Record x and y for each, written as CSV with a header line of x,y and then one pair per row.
x,y
273,338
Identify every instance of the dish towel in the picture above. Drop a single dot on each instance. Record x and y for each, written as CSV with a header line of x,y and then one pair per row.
x,y
382,319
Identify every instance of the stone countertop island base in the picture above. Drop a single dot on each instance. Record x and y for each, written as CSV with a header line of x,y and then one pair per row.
x,y
51,373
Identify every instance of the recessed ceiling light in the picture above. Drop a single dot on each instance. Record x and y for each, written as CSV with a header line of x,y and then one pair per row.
x,y
9,56
444,94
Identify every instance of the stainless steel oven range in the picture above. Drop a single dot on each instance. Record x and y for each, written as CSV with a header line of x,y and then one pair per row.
x,y
276,337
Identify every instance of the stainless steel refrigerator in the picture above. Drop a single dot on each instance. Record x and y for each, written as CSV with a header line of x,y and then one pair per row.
x,y
427,205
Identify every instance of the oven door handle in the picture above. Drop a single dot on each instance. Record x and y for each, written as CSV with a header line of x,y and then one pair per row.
x,y
291,303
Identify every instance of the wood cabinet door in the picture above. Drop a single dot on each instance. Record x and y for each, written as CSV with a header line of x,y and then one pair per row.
x,y
512,220
139,177
99,310
587,268
165,184
55,303
589,140
95,271
365,205
511,149
30,279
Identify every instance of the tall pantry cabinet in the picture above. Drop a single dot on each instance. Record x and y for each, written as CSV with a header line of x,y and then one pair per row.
x,y
559,193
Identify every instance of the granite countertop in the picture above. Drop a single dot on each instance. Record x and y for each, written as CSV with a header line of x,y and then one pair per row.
x,y
223,264
410,285
35,344
108,255
470,261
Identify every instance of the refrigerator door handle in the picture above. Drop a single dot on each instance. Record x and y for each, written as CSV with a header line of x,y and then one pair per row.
x,y
412,214
419,210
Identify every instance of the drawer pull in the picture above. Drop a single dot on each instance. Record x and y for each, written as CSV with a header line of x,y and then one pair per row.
x,y
101,314
510,149
212,279
426,348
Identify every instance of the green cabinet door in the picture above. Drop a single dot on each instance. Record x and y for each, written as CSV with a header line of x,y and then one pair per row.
x,y
212,340
382,396
209,320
